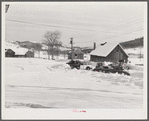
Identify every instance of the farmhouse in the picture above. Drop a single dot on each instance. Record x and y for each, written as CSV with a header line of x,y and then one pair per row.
x,y
78,54
110,52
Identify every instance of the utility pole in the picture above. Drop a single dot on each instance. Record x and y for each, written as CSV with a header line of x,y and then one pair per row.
x,y
140,53
72,53
94,45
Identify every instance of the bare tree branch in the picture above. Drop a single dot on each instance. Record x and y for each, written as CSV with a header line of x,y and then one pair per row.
x,y
52,40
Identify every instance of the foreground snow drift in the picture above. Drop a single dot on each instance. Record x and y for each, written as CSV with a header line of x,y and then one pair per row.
x,y
37,83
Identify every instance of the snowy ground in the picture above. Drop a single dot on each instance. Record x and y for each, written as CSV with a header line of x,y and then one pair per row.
x,y
137,50
39,83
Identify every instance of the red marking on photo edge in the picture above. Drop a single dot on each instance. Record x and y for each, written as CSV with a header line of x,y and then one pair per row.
x,y
75,110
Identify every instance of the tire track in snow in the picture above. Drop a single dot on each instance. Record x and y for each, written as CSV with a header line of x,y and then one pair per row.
x,y
29,105
72,89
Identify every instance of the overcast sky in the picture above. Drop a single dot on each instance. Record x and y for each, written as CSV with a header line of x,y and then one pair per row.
x,y
86,22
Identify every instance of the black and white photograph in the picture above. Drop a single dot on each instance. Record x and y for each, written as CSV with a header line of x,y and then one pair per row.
x,y
74,57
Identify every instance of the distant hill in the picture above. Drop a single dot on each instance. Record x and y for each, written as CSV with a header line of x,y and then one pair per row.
x,y
126,45
26,44
133,43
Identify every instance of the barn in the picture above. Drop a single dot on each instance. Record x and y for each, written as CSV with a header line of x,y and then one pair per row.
x,y
110,52
9,53
78,54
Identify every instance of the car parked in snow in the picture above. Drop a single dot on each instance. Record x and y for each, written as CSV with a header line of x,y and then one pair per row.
x,y
111,69
75,64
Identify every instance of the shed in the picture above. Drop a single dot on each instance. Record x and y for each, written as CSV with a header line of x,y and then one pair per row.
x,y
9,53
29,54
110,52
78,54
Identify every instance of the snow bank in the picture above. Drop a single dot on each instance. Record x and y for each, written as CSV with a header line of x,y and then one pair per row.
x,y
53,84
136,61
135,50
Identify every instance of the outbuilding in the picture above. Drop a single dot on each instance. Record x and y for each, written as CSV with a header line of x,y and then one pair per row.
x,y
29,54
109,52
77,54
9,53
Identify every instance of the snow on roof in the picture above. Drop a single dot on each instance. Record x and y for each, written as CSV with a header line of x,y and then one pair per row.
x,y
20,51
78,51
44,46
105,49
16,48
63,48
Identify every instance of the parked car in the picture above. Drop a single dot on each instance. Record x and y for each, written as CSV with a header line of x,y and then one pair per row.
x,y
88,68
75,64
120,70
98,67
105,69
111,69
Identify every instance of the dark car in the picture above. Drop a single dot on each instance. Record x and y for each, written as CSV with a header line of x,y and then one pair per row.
x,y
120,70
111,69
75,64
106,69
98,67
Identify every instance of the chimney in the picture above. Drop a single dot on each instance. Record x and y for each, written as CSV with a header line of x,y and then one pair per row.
x,y
94,45
103,43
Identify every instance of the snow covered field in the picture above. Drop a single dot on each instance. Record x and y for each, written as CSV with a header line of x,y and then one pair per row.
x,y
39,83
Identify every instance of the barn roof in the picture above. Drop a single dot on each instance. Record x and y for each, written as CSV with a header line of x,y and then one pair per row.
x,y
105,49
20,51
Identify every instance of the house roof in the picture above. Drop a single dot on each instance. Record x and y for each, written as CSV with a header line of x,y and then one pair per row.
x,y
6,50
17,49
20,51
87,50
77,51
105,49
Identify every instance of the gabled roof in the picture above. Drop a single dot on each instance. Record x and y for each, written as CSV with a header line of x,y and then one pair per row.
x,y
87,50
6,50
20,51
77,51
106,49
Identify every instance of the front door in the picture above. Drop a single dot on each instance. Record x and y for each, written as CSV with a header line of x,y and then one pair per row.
x,y
117,57
121,56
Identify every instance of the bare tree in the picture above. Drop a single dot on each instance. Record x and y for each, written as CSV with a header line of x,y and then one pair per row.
x,y
51,40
